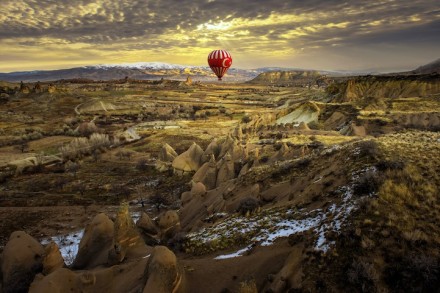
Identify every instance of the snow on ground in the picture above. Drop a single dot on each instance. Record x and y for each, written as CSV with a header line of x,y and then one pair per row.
x,y
234,254
68,244
264,228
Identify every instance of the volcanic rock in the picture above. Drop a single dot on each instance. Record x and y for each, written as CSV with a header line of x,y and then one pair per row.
x,y
167,153
207,174
53,259
22,260
189,160
163,272
225,170
95,244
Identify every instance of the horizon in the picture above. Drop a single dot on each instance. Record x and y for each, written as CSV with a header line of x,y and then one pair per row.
x,y
384,36
131,64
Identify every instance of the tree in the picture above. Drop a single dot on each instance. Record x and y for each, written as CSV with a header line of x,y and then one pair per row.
x,y
22,146
158,200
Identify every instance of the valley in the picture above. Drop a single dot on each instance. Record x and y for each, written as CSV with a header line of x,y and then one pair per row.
x,y
292,182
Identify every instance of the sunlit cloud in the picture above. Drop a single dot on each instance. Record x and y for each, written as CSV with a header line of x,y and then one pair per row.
x,y
58,34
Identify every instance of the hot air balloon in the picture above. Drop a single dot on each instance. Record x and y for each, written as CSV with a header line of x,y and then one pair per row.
x,y
219,61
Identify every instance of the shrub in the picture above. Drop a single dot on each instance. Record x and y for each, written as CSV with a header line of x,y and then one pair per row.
x,y
248,205
390,165
98,140
414,273
78,146
246,119
368,148
367,184
141,164
362,275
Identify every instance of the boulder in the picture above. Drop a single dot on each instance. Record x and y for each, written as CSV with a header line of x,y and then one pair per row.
x,y
22,260
163,272
169,224
52,259
146,224
95,244
189,160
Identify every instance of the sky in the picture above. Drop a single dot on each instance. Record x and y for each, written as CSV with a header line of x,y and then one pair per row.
x,y
382,35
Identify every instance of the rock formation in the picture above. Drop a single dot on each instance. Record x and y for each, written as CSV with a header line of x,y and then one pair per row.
x,y
126,237
226,169
213,149
169,225
207,174
163,273
189,160
52,258
95,244
22,259
167,153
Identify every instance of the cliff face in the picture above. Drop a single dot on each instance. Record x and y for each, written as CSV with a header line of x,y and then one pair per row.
x,y
297,78
375,88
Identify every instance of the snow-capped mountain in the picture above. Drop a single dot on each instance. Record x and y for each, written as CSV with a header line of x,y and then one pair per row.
x,y
143,65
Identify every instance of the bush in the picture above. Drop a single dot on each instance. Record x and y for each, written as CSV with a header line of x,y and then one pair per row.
x,y
141,164
248,205
368,148
362,275
390,165
98,140
367,184
78,146
246,119
414,273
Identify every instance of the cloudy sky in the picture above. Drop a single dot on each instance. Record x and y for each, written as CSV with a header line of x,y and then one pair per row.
x,y
384,35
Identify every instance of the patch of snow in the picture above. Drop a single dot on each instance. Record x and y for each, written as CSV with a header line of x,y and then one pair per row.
x,y
143,65
68,244
234,254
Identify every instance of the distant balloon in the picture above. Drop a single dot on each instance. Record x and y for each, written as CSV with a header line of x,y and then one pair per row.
x,y
219,61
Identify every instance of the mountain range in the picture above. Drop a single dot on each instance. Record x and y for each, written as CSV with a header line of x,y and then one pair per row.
x,y
158,70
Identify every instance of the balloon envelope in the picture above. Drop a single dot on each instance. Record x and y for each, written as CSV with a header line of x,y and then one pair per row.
x,y
219,61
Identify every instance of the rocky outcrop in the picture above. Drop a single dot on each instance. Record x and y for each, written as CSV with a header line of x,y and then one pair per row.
x,y
292,78
22,260
374,90
95,244
188,161
306,113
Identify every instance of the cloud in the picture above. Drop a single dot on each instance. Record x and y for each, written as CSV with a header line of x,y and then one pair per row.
x,y
257,28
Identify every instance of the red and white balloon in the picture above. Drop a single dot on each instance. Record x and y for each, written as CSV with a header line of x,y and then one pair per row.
x,y
219,61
